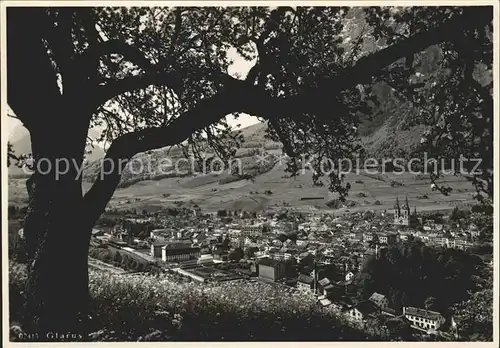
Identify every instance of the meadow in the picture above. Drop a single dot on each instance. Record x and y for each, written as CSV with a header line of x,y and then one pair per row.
x,y
368,192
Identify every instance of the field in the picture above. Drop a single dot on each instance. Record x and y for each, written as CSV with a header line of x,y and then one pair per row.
x,y
367,192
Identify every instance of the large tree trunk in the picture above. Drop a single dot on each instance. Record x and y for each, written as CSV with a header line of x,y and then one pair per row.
x,y
57,237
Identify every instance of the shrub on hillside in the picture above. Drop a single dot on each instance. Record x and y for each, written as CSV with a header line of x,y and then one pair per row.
x,y
229,179
395,183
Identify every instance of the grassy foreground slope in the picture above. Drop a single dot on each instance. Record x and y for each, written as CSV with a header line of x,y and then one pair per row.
x,y
143,307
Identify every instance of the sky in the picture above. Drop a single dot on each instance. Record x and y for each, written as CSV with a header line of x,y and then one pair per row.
x,y
240,66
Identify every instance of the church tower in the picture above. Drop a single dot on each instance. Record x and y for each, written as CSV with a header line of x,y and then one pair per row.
x,y
402,215
406,213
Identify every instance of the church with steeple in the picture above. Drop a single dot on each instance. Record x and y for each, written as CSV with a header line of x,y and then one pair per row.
x,y
403,215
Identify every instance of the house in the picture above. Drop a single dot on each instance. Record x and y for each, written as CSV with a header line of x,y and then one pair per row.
x,y
271,269
160,235
392,238
383,238
422,318
327,288
387,238
362,311
389,312
255,229
305,283
460,243
474,230
324,301
380,300
355,237
205,259
221,255
281,256
175,252
156,249
368,237
196,210
441,241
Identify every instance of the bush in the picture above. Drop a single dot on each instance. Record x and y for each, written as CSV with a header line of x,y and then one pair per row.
x,y
229,179
140,307
334,204
395,183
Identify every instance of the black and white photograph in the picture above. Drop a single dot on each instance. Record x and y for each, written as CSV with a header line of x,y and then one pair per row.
x,y
249,172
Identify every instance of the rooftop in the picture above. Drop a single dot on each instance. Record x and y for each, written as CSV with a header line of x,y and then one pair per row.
x,y
418,312
268,262
324,282
178,245
376,296
305,279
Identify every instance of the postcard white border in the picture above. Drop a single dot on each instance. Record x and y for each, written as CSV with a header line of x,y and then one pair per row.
x,y
4,135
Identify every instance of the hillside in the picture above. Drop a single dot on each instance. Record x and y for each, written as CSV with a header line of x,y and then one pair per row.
x,y
168,309
384,134
152,190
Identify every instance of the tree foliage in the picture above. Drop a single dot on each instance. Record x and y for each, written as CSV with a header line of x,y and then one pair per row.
x,y
412,274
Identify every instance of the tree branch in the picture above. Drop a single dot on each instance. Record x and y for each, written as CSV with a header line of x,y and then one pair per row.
x,y
237,96
130,53
369,65
113,88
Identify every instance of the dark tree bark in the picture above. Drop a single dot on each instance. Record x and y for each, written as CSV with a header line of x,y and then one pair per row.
x,y
56,234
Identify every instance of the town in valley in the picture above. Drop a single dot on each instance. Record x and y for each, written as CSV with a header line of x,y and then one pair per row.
x,y
318,255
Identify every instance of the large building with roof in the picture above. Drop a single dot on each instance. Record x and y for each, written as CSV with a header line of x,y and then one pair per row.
x,y
180,251
271,269
423,319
